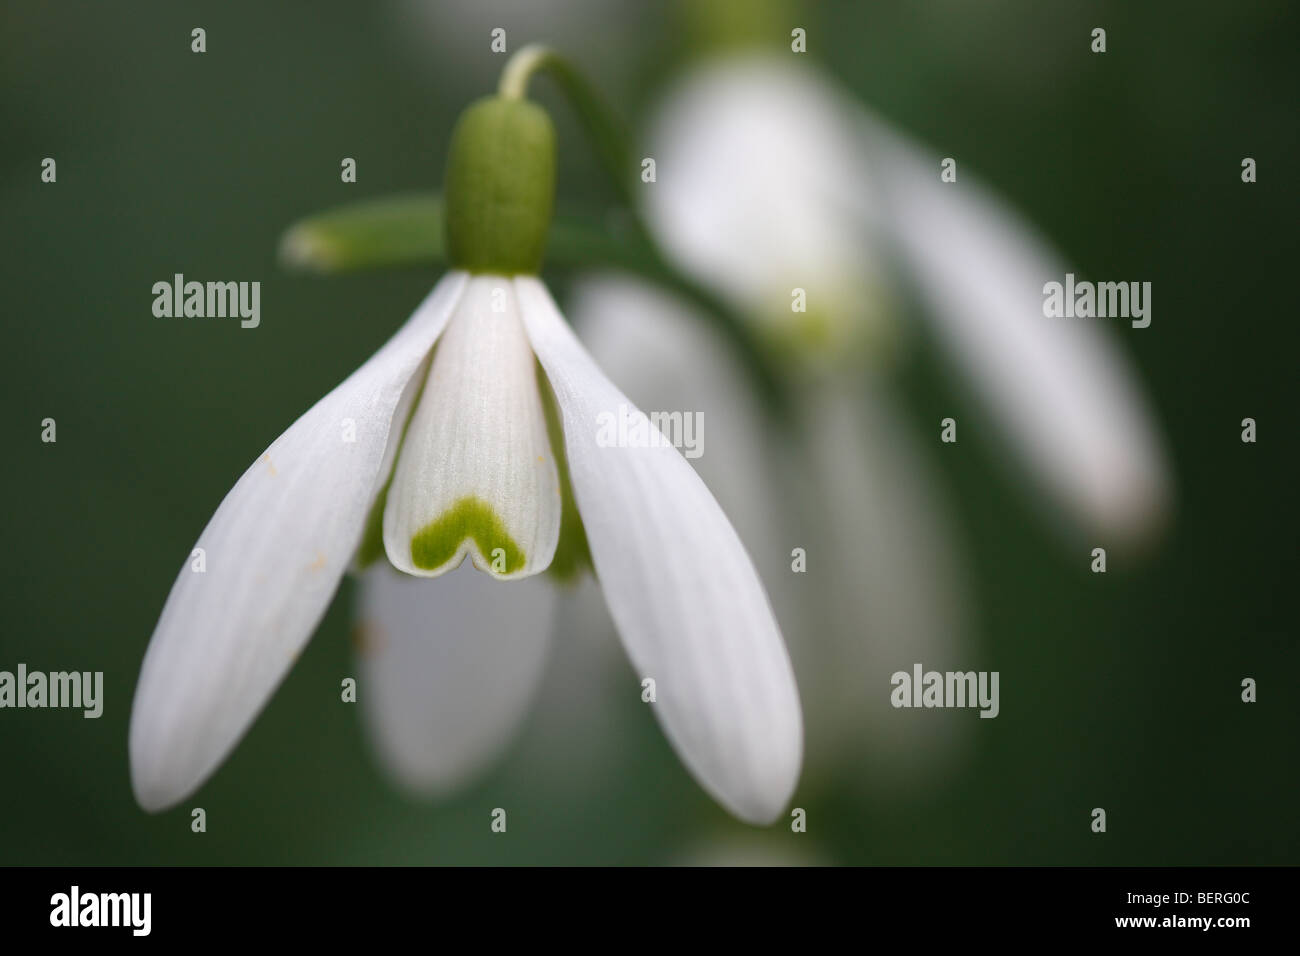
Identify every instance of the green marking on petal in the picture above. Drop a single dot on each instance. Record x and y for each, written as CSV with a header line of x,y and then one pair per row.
x,y
469,518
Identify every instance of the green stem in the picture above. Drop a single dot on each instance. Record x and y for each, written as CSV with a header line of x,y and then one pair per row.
x,y
520,69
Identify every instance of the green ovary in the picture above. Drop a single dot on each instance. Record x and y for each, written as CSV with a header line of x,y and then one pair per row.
x,y
469,518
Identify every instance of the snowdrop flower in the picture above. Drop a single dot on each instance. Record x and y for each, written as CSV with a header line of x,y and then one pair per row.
x,y
474,434
771,179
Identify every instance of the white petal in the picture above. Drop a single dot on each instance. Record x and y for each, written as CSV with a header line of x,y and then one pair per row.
x,y
1067,397
680,587
274,552
449,667
476,474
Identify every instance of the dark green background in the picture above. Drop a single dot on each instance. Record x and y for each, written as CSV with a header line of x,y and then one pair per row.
x,y
173,162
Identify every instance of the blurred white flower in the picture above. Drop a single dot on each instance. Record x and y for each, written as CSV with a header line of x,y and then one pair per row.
x,y
770,179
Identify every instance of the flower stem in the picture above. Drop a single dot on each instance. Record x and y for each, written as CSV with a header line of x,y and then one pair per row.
x,y
520,69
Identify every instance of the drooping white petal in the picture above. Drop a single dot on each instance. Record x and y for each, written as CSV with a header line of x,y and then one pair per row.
x,y
448,669
681,589
1067,399
476,474
272,556
666,360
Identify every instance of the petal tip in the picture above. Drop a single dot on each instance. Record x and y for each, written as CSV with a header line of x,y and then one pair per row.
x,y
153,791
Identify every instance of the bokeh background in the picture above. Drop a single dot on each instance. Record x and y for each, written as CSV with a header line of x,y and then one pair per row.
x,y
1119,691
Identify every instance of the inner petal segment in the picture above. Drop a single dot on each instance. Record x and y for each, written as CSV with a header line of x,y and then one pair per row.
x,y
476,474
